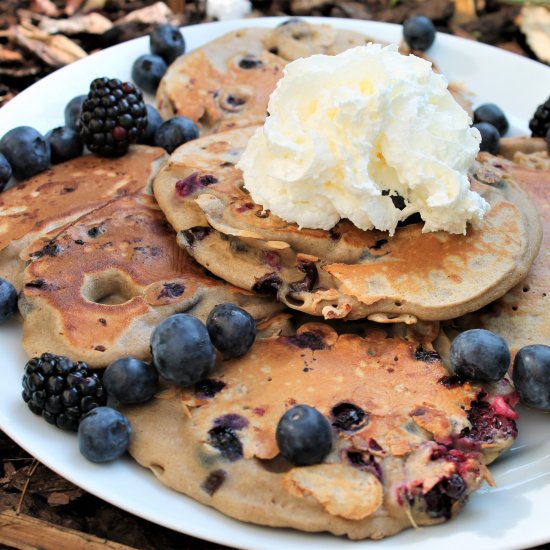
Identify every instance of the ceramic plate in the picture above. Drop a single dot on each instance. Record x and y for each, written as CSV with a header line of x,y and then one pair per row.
x,y
511,515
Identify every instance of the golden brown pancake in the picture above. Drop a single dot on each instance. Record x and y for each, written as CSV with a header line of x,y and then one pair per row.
x,y
409,444
227,82
345,272
522,315
65,192
95,289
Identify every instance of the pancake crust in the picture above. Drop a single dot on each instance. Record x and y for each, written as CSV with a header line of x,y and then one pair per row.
x,y
95,289
522,315
401,432
65,192
345,272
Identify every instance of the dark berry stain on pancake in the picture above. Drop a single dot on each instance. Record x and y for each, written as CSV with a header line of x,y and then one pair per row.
x,y
250,62
452,381
214,481
226,441
426,355
102,322
100,348
308,340
95,231
379,244
268,284
232,421
171,290
196,234
366,462
208,388
348,417
192,183
272,259
79,241
309,281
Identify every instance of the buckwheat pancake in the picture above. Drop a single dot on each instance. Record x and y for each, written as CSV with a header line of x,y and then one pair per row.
x,y
409,444
95,289
522,315
227,82
65,192
344,272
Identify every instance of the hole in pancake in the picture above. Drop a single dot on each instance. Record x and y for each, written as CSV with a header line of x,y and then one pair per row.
x,y
293,300
158,470
109,288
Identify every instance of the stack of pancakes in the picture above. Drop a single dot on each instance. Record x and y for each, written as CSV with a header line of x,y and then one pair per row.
x,y
100,262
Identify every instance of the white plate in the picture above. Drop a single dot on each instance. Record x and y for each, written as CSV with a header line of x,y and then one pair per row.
x,y
512,515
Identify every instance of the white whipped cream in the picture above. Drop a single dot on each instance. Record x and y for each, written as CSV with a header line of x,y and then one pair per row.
x,y
346,132
226,10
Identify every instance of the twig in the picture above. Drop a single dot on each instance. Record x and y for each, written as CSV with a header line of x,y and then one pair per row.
x,y
25,487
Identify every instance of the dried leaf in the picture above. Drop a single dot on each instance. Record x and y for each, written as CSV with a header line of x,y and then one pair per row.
x,y
58,499
157,14
10,56
92,23
55,50
45,7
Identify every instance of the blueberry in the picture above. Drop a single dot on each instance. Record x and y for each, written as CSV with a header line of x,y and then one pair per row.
x,y
231,329
5,172
419,32
531,376
182,351
65,144
304,435
103,434
130,380
147,71
8,300
27,151
168,42
175,132
490,138
72,111
493,114
154,120
479,354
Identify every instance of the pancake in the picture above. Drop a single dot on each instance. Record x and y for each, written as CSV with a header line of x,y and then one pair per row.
x,y
227,82
345,272
95,289
409,444
65,192
522,315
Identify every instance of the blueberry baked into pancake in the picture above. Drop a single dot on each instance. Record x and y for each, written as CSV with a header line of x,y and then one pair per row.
x,y
394,441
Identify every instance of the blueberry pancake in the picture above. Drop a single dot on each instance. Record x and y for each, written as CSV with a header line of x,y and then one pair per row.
x,y
95,289
227,82
65,192
522,315
344,272
409,444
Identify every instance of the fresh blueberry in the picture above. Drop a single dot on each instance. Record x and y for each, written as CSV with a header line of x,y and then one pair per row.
x,y
168,42
103,434
65,144
72,111
154,120
304,435
130,380
27,151
182,351
419,32
5,172
531,376
479,354
493,114
147,71
8,300
490,138
231,329
175,132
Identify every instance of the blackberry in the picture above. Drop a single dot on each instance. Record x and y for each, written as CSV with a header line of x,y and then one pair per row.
x,y
540,123
61,391
113,116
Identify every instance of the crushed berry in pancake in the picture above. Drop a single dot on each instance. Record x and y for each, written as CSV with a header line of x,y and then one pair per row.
x,y
250,62
226,441
487,424
348,417
232,421
171,290
214,481
428,356
365,462
268,284
196,234
310,340
208,388
192,183
309,281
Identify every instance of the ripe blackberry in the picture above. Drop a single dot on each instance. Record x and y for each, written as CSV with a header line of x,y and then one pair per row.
x,y
540,123
61,391
113,116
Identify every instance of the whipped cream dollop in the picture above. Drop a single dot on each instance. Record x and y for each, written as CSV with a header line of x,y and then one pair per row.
x,y
369,135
